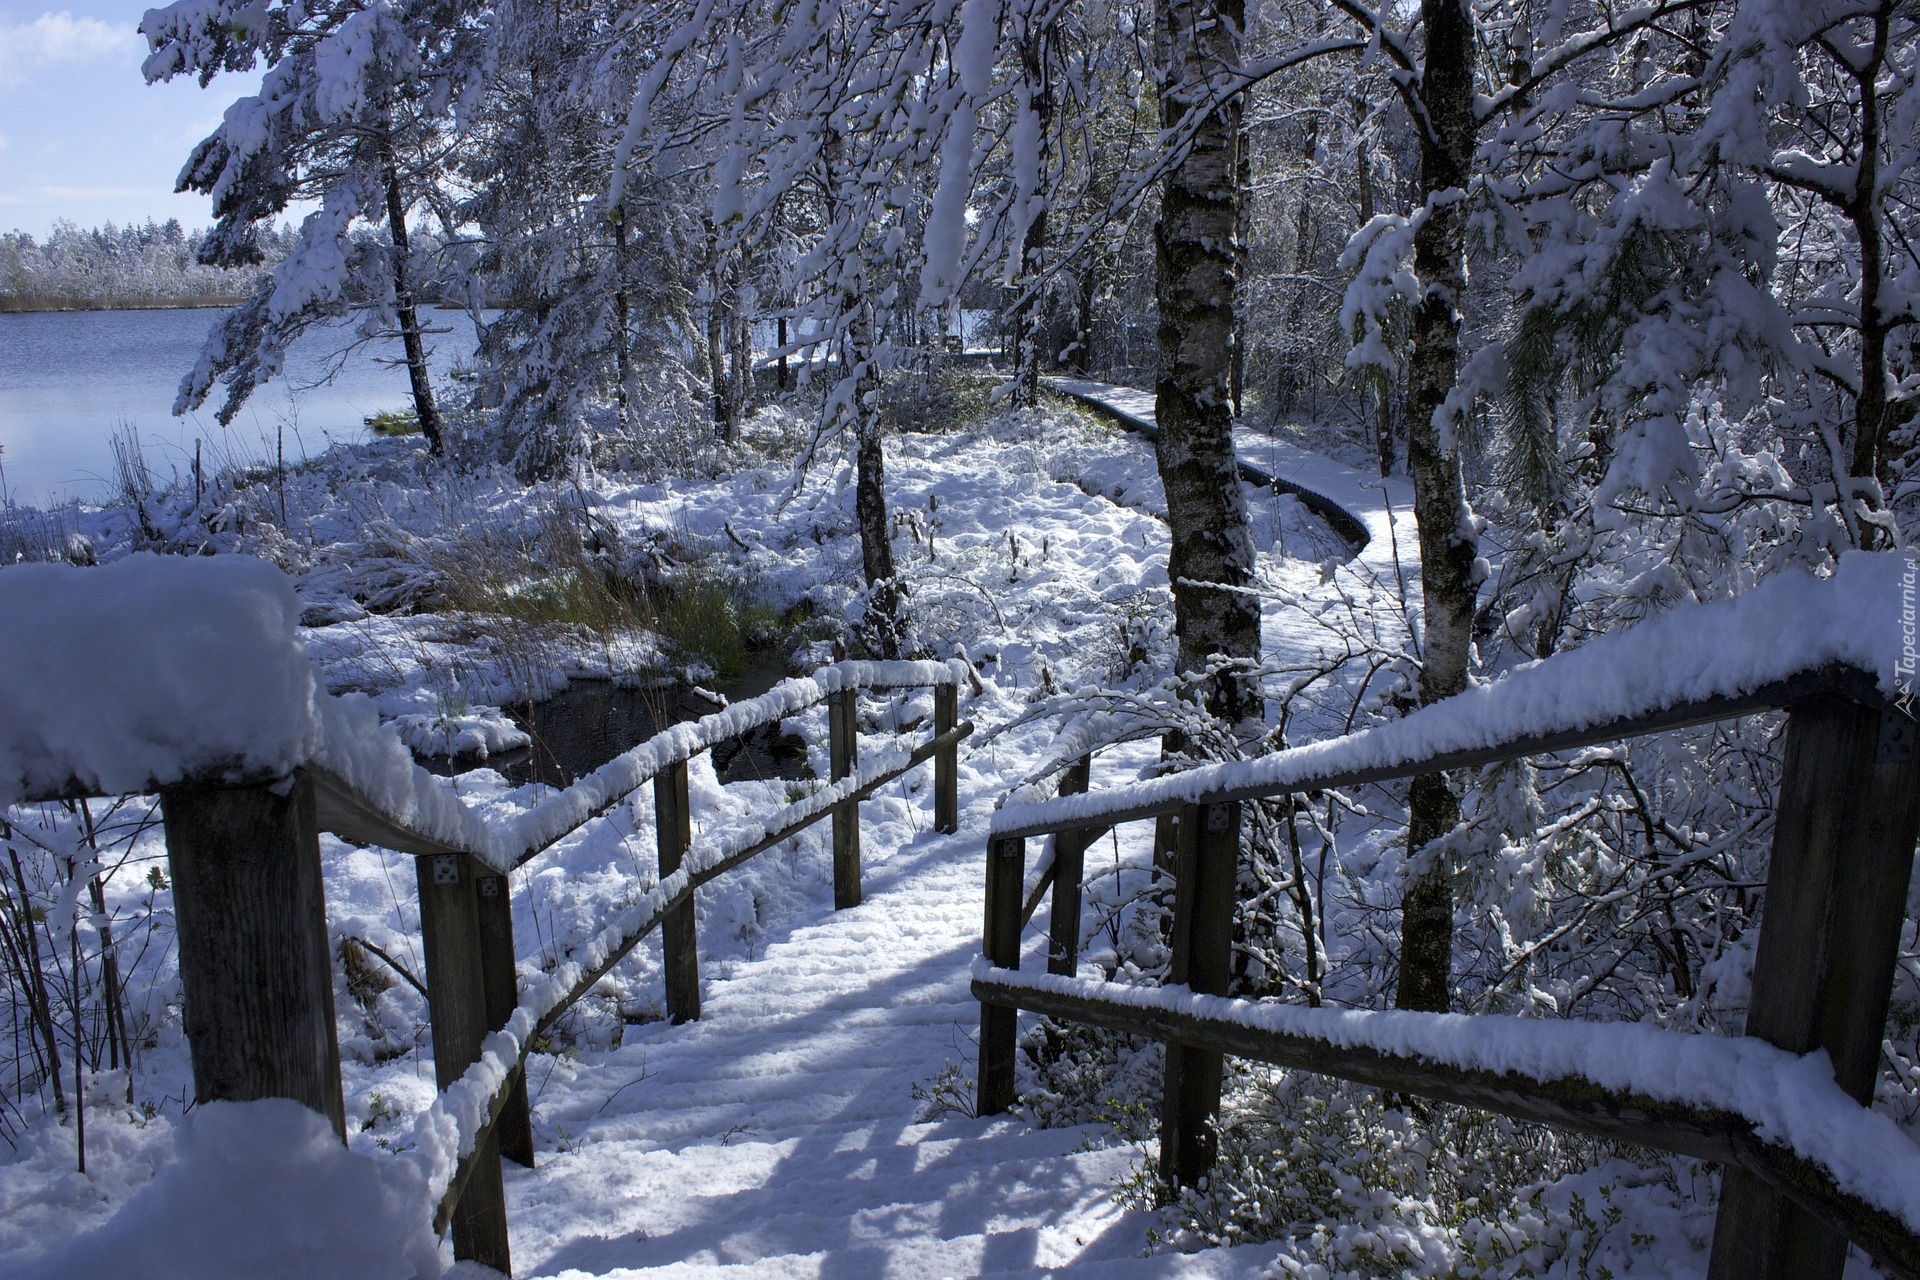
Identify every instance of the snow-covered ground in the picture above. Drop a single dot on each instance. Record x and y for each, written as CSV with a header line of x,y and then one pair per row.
x,y
811,1124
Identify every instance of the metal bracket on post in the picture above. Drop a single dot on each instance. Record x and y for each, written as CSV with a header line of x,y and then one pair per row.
x,y
1897,734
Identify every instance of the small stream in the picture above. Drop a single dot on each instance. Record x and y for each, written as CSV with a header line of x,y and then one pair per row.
x,y
591,721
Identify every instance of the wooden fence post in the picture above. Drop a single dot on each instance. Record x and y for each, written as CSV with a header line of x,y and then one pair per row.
x,y
946,761
673,816
1006,870
256,972
1843,847
1069,867
457,1003
1207,860
843,748
515,1125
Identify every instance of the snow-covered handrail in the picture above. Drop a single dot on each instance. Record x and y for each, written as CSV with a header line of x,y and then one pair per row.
x,y
370,763
1730,1099
1695,664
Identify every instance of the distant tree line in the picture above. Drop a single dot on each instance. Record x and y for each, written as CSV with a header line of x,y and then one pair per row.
x,y
155,264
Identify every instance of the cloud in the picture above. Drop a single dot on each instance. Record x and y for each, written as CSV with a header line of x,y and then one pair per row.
x,y
60,39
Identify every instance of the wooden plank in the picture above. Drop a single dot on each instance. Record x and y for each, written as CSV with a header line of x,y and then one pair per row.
x,y
1847,682
946,764
502,982
1069,869
673,814
1006,868
457,1004
256,972
1843,847
1036,895
349,815
843,749
1577,1104
1208,852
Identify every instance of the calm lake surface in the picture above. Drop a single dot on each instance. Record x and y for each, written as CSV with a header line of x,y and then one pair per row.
x,y
71,380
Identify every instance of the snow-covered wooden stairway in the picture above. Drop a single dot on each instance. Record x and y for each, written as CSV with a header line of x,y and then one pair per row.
x,y
778,1135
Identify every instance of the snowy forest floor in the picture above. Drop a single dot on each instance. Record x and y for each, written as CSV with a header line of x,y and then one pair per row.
x,y
813,1122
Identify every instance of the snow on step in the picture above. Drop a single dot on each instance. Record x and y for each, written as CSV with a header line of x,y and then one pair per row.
x,y
776,1137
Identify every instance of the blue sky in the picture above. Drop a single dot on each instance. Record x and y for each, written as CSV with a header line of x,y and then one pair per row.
x,y
82,135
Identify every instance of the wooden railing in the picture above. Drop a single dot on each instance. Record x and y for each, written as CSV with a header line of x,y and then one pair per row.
x,y
256,966
1844,840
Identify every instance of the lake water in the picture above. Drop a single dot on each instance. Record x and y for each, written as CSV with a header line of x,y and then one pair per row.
x,y
71,380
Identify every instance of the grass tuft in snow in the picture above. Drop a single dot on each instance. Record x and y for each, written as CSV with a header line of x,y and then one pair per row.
x,y
394,422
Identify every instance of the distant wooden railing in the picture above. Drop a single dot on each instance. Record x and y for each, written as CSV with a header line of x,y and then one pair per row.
x,y
255,962
1844,840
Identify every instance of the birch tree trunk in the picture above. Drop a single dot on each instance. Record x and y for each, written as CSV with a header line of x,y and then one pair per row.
x,y
1448,546
1194,253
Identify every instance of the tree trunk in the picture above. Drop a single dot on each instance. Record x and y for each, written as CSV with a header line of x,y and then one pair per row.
x,y
1243,238
1363,190
1296,364
622,316
742,380
1033,245
1083,326
417,374
876,546
1870,410
1194,259
862,416
1448,546
717,361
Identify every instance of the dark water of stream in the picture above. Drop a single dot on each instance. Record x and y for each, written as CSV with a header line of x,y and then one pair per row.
x,y
591,721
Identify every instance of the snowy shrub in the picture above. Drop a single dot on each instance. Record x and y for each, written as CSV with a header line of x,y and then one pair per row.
x,y
1088,1075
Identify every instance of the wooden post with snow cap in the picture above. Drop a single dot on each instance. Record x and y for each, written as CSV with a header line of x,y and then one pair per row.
x,y
843,752
1207,859
256,972
502,980
1006,869
680,951
457,1000
946,761
1843,848
1069,868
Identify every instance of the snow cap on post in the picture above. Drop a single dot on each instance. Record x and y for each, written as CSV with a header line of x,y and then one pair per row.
x,y
148,671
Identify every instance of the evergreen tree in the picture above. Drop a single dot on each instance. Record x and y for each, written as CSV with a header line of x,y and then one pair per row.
x,y
352,114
